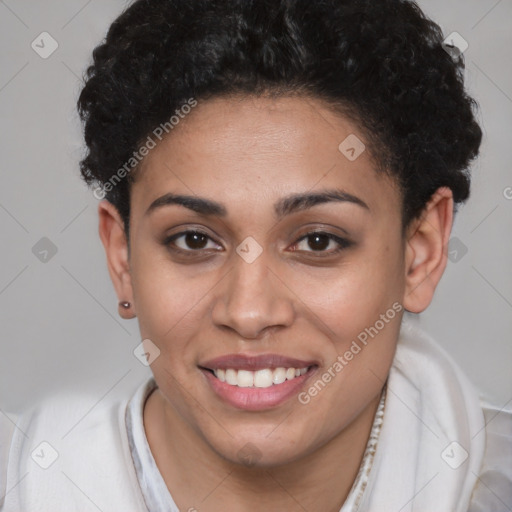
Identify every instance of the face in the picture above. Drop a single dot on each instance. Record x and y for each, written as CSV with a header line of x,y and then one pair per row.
x,y
282,271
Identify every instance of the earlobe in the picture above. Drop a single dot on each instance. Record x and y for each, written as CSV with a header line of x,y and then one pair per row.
x,y
427,250
112,234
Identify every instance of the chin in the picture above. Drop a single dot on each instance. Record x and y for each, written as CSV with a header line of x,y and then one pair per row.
x,y
265,449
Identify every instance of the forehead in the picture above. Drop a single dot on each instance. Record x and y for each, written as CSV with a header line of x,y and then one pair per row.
x,y
253,150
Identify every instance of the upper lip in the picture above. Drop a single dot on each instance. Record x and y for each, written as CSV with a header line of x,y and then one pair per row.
x,y
254,363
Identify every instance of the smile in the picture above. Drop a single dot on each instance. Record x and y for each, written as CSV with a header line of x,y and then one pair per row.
x,y
259,379
256,383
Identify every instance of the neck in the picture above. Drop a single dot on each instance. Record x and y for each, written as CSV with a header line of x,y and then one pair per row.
x,y
199,479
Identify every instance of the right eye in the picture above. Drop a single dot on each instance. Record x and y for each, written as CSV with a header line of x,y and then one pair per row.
x,y
189,242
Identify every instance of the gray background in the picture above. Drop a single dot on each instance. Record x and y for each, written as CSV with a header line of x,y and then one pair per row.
x,y
60,328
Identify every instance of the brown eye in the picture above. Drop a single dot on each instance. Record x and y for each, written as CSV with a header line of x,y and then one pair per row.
x,y
318,243
190,241
196,240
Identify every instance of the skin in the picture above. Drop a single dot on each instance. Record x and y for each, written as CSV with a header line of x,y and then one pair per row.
x,y
295,299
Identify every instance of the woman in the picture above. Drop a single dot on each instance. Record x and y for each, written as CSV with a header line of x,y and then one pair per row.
x,y
278,183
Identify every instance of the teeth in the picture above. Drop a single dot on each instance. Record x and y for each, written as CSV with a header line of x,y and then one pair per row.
x,y
259,379
263,378
279,376
290,373
231,377
245,379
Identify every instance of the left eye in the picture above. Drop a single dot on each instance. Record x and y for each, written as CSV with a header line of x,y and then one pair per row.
x,y
319,242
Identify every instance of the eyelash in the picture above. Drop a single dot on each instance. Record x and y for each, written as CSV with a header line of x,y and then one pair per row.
x,y
342,242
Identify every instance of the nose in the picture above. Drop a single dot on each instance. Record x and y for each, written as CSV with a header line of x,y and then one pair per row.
x,y
253,298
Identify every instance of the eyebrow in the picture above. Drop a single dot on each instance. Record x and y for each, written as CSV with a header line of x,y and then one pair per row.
x,y
285,206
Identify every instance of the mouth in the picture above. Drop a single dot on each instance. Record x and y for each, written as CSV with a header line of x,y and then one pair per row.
x,y
263,378
256,383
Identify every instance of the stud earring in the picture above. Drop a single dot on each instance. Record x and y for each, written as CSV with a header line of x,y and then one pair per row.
x,y
125,305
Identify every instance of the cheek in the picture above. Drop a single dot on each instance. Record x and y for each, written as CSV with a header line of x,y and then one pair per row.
x,y
361,306
354,295
170,301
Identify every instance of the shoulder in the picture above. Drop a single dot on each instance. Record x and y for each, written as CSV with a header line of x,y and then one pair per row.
x,y
69,449
449,394
493,490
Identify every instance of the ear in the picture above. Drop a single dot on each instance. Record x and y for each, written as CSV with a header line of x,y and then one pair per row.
x,y
427,250
111,231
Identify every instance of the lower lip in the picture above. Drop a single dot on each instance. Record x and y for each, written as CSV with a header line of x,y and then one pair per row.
x,y
257,399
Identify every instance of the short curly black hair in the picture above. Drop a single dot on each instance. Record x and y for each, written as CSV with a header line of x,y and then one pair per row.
x,y
382,63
